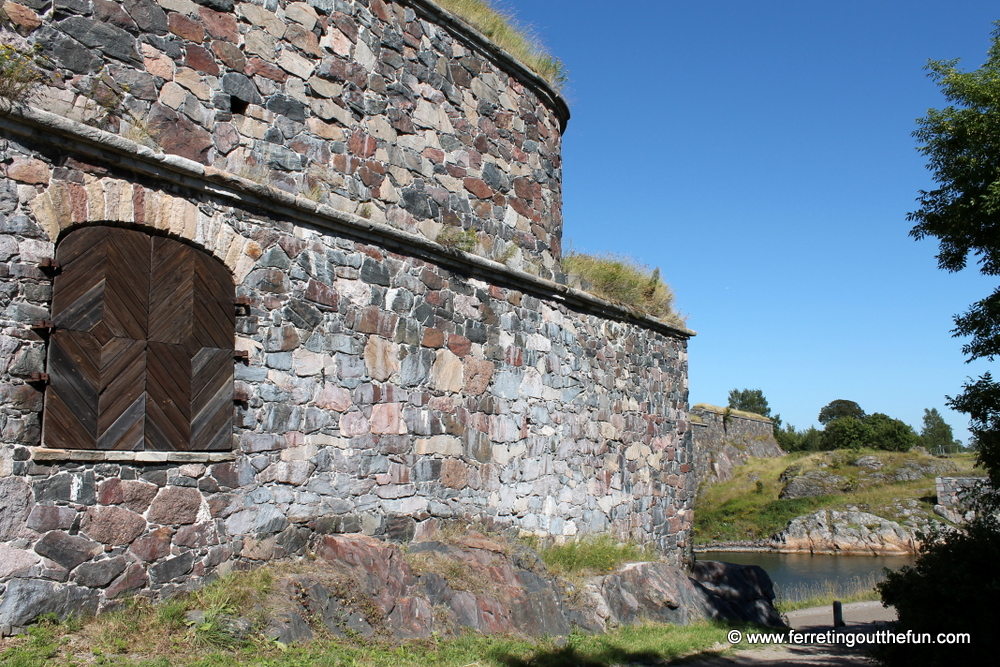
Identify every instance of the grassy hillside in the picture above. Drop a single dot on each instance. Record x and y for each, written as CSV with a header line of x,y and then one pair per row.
x,y
747,507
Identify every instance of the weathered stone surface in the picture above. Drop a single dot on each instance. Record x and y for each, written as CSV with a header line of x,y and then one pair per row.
x,y
241,87
153,546
25,20
723,442
15,499
13,561
477,374
811,483
110,39
447,372
178,134
381,358
67,550
172,569
44,518
100,573
27,599
28,170
137,495
132,579
112,525
848,532
175,505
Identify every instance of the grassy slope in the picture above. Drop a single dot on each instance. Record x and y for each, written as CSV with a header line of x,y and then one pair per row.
x,y
735,510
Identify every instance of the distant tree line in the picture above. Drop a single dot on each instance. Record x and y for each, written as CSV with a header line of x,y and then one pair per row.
x,y
847,426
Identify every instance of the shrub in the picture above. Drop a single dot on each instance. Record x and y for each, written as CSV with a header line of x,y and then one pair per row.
x,y
624,281
890,434
952,588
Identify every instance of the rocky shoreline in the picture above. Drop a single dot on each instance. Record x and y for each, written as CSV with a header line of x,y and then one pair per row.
x,y
832,532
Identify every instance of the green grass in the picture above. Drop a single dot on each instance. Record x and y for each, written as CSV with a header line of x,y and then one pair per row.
x,y
55,646
625,281
592,555
856,589
747,506
515,39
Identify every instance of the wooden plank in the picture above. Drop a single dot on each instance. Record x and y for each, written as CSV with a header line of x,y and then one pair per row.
x,y
121,407
172,297
168,405
71,398
142,353
78,289
214,304
127,274
212,399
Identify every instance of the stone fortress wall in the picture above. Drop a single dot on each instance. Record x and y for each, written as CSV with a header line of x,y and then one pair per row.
x,y
724,440
390,382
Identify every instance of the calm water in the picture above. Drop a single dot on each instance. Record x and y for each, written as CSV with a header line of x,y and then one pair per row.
x,y
798,575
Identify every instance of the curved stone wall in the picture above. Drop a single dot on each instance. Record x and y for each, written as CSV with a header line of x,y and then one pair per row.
x,y
392,110
390,383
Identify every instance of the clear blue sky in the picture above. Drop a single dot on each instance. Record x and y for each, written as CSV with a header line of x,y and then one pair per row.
x,y
759,152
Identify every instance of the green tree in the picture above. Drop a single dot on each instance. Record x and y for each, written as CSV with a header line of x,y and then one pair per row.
x,y
840,408
954,582
749,400
936,434
846,433
890,434
791,440
962,145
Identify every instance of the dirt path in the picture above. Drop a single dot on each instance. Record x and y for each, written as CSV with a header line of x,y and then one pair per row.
x,y
859,616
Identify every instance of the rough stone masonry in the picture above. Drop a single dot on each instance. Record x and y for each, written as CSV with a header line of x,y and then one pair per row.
x,y
327,152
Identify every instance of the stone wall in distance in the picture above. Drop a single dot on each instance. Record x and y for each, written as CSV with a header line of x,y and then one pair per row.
x,y
722,442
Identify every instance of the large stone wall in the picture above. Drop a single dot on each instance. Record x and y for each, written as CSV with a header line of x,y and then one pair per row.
x,y
391,383
393,110
725,439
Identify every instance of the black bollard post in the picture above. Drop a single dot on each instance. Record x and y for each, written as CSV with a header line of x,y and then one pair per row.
x,y
838,614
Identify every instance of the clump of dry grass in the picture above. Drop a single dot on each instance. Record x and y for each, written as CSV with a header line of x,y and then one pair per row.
x,y
19,76
454,238
625,281
513,38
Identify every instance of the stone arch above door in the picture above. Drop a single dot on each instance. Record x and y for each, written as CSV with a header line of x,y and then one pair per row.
x,y
141,353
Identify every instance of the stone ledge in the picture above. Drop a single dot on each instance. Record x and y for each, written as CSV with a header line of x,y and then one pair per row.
x,y
48,128
112,456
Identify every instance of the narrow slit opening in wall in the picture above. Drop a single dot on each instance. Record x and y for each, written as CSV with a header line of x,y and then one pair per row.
x,y
238,106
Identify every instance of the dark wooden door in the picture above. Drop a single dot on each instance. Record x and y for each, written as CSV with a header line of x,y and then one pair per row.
x,y
141,354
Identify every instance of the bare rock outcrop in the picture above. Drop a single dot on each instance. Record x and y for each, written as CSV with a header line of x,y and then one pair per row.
x,y
846,532
374,588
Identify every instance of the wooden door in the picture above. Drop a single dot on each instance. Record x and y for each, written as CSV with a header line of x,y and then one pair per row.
x,y
141,356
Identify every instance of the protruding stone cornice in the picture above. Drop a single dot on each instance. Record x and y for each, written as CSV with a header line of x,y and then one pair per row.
x,y
78,138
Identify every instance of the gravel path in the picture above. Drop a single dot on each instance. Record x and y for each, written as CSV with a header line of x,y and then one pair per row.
x,y
859,616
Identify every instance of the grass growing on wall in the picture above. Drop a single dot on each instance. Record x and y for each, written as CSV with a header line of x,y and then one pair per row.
x,y
512,38
625,281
